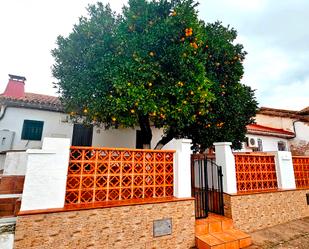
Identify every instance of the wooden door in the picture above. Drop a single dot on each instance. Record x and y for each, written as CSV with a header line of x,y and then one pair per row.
x,y
82,135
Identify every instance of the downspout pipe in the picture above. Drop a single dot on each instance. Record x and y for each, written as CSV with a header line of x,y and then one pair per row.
x,y
294,129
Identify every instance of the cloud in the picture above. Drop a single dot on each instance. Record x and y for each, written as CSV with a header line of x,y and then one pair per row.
x,y
275,35
286,96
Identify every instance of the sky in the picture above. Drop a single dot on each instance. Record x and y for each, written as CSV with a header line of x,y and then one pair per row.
x,y
274,33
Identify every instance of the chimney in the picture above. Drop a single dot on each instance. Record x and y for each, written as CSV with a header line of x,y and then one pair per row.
x,y
15,87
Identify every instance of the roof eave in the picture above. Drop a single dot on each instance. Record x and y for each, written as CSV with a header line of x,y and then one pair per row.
x,y
31,105
297,115
271,134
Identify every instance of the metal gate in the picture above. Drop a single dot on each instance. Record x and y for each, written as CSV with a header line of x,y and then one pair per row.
x,y
206,185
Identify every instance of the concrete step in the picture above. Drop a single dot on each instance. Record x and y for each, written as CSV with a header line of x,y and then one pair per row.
x,y
232,239
213,224
243,238
208,241
218,232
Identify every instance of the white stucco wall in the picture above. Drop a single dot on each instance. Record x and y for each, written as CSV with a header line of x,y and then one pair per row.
x,y
126,137
53,126
275,122
226,159
15,163
46,175
121,138
269,143
286,123
300,143
302,131
182,166
285,170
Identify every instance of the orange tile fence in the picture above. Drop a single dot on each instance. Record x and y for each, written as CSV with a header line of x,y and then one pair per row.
x,y
108,174
255,172
301,171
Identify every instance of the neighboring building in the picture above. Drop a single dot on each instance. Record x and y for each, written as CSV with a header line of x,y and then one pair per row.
x,y
263,138
28,117
278,129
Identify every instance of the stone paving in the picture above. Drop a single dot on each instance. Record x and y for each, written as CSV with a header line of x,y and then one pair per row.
x,y
294,234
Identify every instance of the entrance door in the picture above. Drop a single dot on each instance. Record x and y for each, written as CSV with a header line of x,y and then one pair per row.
x,y
206,181
82,135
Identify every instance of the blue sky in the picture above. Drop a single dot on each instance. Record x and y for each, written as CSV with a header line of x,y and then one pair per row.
x,y
274,33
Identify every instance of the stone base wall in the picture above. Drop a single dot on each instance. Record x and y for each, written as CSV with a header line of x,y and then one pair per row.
x,y
299,148
251,212
227,205
116,227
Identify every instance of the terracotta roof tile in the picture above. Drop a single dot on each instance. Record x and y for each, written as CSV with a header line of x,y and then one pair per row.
x,y
261,129
42,98
304,111
277,112
34,100
298,115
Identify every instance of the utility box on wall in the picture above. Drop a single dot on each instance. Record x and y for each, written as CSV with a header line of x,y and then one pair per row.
x,y
6,140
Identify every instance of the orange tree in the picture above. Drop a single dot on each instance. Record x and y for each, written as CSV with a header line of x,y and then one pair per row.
x,y
157,65
234,104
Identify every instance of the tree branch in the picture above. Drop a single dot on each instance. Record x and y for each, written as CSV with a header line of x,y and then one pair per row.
x,y
164,140
145,130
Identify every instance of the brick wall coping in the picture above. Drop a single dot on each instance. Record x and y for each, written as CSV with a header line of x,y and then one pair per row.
x,y
120,149
109,204
254,153
266,191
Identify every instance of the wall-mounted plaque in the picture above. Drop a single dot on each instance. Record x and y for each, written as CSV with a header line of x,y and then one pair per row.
x,y
162,227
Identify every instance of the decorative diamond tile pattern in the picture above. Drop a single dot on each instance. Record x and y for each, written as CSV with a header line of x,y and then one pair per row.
x,y
106,174
255,172
301,171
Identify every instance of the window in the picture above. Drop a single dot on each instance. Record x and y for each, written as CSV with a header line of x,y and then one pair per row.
x,y
259,144
32,130
281,146
82,135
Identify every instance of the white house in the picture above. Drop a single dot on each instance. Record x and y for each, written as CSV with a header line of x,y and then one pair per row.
x,y
26,118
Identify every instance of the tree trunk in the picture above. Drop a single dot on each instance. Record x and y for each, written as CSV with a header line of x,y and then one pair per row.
x,y
164,140
146,133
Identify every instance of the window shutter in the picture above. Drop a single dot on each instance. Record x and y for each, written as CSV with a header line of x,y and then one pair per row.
x,y
32,130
